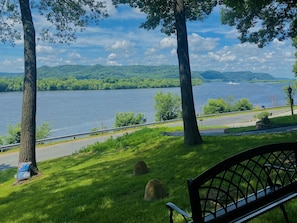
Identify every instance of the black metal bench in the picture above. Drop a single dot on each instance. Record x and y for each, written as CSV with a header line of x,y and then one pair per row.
x,y
243,186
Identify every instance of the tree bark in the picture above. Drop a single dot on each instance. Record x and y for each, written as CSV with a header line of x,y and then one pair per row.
x,y
191,132
28,122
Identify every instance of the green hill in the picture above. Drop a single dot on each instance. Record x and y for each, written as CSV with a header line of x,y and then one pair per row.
x,y
120,72
97,72
235,76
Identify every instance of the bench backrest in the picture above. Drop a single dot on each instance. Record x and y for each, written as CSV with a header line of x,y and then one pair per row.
x,y
243,182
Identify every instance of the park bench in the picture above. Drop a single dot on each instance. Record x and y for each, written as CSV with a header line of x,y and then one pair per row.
x,y
243,186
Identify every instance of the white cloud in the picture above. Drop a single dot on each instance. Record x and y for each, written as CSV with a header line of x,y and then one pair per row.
x,y
113,63
214,56
12,65
120,45
168,42
74,55
150,51
112,56
44,49
198,43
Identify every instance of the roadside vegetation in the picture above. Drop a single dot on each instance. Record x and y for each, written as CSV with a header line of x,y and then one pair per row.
x,y
220,105
98,185
274,123
128,118
14,133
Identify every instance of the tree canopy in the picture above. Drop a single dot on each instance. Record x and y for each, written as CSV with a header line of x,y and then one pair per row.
x,y
161,13
261,21
63,18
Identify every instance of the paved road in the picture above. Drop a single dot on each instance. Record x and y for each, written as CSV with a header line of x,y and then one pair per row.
x,y
8,160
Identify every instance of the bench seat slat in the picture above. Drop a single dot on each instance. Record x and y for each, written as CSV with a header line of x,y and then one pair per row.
x,y
240,203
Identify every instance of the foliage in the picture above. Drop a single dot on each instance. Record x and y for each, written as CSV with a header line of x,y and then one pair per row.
x,y
43,131
262,115
98,71
220,105
275,122
237,76
168,106
66,18
214,106
128,118
286,92
165,18
261,22
75,77
242,105
53,84
14,133
68,185
294,43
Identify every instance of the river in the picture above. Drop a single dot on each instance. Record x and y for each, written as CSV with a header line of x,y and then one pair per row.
x,y
70,112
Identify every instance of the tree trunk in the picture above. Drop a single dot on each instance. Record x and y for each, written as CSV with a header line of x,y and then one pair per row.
x,y
191,133
28,123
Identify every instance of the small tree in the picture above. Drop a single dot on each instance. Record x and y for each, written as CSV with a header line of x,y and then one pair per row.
x,y
168,106
128,118
43,131
220,105
285,89
14,133
242,105
215,106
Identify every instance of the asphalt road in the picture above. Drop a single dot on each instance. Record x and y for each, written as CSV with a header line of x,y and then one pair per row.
x,y
9,160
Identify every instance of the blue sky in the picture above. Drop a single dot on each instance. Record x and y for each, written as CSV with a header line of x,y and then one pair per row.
x,y
118,40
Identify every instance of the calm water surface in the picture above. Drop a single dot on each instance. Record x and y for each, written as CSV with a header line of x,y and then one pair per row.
x,y
70,112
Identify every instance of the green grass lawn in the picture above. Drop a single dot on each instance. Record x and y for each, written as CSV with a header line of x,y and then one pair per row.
x,y
275,122
97,185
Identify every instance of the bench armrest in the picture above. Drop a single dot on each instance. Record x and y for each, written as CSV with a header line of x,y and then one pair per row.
x,y
173,207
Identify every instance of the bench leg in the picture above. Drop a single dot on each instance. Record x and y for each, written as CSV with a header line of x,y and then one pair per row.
x,y
284,212
171,216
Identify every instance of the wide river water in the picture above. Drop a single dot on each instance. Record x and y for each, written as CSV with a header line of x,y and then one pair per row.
x,y
71,112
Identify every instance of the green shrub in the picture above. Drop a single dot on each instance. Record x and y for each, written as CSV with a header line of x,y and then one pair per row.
x,y
216,106
242,105
128,118
220,105
168,106
43,131
262,115
14,133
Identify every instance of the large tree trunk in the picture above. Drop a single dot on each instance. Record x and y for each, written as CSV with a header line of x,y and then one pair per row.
x,y
28,123
191,132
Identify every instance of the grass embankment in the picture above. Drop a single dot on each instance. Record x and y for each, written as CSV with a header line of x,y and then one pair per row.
x,y
276,122
98,185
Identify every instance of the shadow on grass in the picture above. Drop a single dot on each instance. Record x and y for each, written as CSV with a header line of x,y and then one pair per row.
x,y
100,186
8,173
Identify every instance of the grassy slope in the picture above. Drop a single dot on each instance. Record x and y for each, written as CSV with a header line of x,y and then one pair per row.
x,y
98,185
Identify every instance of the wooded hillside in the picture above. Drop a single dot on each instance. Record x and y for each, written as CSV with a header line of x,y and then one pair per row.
x,y
96,72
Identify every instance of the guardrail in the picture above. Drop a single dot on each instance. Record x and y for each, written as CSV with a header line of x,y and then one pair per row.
x,y
74,136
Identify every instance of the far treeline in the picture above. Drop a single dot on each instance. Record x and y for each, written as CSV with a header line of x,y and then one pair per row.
x,y
98,77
